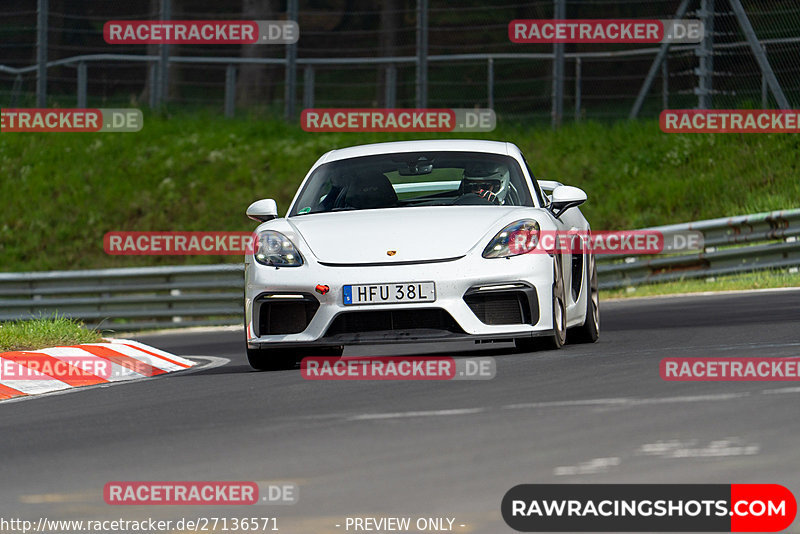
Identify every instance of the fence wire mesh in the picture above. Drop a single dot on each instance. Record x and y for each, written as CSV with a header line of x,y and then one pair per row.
x,y
601,80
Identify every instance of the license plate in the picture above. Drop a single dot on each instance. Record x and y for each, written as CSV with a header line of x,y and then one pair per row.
x,y
389,293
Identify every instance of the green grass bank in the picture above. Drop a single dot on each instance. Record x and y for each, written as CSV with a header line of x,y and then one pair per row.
x,y
62,192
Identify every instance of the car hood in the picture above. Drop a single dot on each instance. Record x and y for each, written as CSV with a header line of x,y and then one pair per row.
x,y
414,234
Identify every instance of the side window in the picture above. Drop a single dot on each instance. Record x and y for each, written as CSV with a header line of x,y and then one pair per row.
x,y
543,202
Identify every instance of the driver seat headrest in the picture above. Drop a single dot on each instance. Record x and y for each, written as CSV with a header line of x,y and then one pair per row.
x,y
370,191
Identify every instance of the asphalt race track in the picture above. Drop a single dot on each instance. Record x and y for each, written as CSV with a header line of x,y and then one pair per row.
x,y
588,413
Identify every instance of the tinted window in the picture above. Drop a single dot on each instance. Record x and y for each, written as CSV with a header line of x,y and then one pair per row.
x,y
414,179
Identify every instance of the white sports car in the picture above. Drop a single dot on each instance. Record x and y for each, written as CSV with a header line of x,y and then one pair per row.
x,y
417,241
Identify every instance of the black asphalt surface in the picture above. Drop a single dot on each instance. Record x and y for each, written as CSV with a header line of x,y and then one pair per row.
x,y
585,414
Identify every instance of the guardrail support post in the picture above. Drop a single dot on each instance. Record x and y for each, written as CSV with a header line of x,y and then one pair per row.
x,y
308,87
82,84
41,54
230,90
391,86
175,293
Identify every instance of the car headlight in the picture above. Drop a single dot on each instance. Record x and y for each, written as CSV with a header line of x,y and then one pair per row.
x,y
517,238
276,250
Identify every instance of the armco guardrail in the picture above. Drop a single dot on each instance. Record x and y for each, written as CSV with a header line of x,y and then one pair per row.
x,y
169,297
732,245
129,299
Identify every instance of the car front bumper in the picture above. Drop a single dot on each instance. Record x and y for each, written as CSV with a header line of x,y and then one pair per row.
x,y
529,277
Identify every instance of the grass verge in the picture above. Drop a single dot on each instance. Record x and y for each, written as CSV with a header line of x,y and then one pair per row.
x,y
44,332
754,280
63,191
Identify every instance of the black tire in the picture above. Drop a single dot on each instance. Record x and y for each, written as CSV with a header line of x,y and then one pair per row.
x,y
271,359
589,331
559,336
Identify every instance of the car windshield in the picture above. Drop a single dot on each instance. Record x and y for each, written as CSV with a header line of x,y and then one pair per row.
x,y
414,179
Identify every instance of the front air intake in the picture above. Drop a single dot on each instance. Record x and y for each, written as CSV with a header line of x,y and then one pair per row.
x,y
430,319
504,306
284,314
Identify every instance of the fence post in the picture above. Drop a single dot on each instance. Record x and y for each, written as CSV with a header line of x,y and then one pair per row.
x,y
761,57
290,88
577,89
758,52
41,53
764,88
665,84
705,51
391,86
559,12
422,53
230,90
163,62
153,92
308,87
490,83
82,84
15,90
651,74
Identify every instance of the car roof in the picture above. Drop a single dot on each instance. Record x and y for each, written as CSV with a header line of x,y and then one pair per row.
x,y
439,145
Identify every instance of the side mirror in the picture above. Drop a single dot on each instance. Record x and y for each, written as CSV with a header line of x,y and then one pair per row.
x,y
263,210
549,185
565,197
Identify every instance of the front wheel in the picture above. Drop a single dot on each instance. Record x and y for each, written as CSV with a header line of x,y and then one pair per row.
x,y
589,331
559,336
